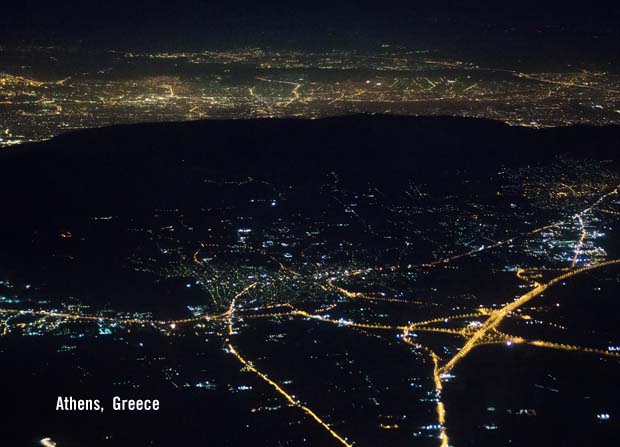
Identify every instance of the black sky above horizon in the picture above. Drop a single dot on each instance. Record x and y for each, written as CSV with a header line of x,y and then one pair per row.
x,y
540,28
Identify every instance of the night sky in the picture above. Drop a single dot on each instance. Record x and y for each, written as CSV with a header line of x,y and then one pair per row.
x,y
528,28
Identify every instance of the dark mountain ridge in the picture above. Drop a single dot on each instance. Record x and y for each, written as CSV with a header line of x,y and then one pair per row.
x,y
146,165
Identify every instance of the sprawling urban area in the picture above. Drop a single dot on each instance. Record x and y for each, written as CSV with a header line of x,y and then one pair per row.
x,y
45,91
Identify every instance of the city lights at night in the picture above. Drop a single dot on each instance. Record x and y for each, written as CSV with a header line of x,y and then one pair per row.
x,y
350,224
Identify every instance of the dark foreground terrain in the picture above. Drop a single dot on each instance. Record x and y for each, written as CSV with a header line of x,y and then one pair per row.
x,y
364,280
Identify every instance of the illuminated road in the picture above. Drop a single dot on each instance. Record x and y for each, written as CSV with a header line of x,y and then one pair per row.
x,y
497,316
248,365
